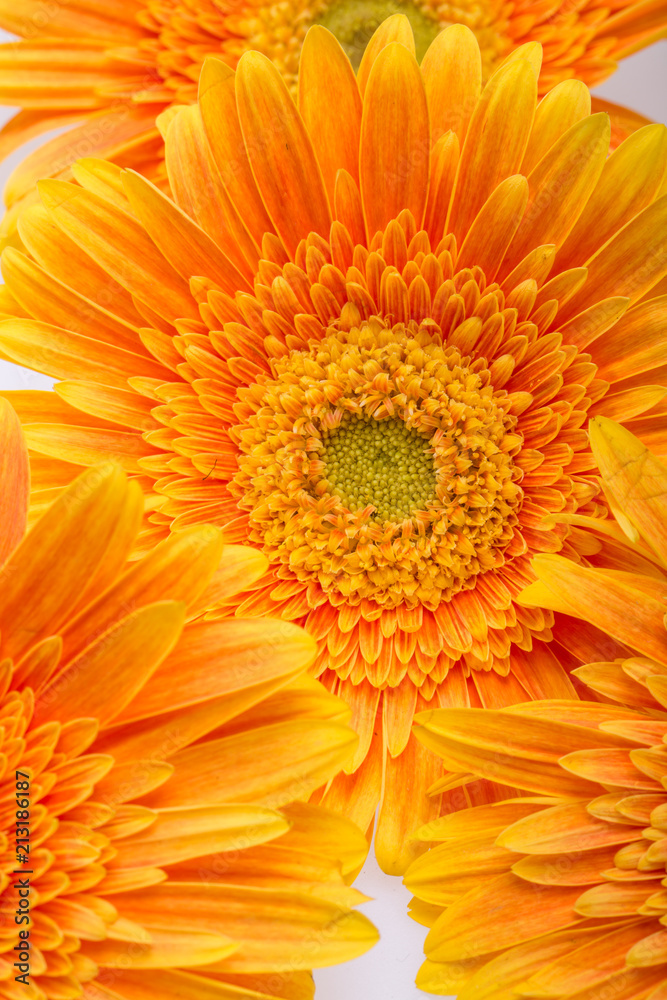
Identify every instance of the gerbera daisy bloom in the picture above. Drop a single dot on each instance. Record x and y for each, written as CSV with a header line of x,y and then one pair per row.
x,y
140,840
561,893
365,342
111,67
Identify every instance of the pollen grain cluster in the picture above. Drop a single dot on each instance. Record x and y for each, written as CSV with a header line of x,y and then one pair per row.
x,y
379,463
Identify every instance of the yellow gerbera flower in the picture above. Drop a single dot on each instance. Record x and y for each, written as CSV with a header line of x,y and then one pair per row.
x,y
113,66
154,771
365,340
561,893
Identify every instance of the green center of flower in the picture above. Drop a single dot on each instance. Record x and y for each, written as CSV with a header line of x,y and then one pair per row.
x,y
354,22
379,463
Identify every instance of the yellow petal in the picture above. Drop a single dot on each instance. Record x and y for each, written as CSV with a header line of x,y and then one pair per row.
x,y
636,480
519,914
273,927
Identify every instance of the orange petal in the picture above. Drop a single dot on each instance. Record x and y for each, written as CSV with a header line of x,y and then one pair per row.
x,y
14,481
629,182
452,71
396,28
494,227
571,168
233,656
217,101
563,107
636,481
602,598
120,245
324,69
395,140
111,671
303,754
496,141
281,154
188,248
198,189
54,563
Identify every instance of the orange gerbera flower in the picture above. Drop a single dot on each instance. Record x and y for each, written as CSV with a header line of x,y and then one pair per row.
x,y
140,840
387,397
562,894
113,65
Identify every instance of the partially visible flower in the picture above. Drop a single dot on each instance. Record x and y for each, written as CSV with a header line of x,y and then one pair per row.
x,y
112,67
561,893
365,339
155,768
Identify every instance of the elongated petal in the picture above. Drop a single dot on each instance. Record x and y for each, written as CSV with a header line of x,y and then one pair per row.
x,y
303,756
395,143
14,481
495,142
324,68
285,165
518,916
452,71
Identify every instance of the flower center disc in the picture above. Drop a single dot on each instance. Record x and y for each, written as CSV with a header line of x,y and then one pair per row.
x,y
354,22
279,29
379,463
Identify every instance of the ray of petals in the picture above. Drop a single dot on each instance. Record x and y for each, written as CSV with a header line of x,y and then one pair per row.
x,y
62,353
602,597
178,569
561,185
639,242
120,245
519,917
284,164
188,248
234,654
36,607
495,226
395,140
558,111
302,755
198,189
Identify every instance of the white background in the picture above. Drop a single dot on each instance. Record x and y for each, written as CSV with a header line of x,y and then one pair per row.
x,y
387,972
